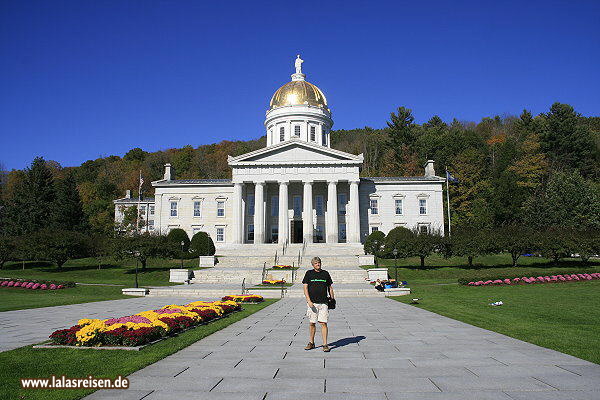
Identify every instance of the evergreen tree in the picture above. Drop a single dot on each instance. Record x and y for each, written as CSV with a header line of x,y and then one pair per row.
x,y
567,142
30,207
400,132
68,208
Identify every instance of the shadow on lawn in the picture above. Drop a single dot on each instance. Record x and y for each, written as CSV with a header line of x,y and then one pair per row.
x,y
564,263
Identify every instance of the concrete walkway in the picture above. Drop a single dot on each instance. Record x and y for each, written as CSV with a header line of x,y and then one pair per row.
x,y
24,327
381,350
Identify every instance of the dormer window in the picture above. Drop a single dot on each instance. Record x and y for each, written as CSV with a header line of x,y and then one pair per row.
x,y
297,130
281,134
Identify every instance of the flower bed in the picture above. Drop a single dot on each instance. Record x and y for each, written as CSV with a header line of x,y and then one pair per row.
x,y
534,280
143,327
35,284
273,281
244,298
282,267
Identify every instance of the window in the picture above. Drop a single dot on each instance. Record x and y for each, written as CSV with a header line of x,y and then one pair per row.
x,y
143,210
297,130
274,206
274,233
271,136
422,206
250,204
151,210
151,224
374,207
220,234
297,206
398,203
196,209
341,232
313,133
250,232
319,205
319,234
424,229
196,229
281,134
342,200
220,208
173,209
374,229
324,136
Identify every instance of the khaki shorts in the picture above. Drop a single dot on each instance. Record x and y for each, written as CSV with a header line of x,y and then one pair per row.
x,y
320,313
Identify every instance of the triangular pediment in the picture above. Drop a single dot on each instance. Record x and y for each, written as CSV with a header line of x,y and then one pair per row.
x,y
295,152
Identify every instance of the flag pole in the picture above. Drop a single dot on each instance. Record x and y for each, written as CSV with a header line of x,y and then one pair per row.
x,y
448,201
137,223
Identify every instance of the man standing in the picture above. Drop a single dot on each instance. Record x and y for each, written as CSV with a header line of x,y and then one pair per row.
x,y
317,283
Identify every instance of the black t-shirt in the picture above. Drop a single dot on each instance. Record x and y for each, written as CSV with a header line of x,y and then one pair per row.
x,y
318,282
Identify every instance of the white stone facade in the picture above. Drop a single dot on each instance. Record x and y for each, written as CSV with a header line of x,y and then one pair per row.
x,y
297,189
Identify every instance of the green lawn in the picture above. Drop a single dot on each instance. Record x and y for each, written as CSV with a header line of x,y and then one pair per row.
x,y
86,270
559,316
19,299
27,362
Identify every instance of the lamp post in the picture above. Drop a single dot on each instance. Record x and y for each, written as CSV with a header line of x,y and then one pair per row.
x,y
182,244
395,252
136,273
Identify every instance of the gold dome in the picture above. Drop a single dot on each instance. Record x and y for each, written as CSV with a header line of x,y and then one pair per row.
x,y
298,92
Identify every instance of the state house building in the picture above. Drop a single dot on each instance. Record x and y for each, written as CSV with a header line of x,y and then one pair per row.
x,y
297,189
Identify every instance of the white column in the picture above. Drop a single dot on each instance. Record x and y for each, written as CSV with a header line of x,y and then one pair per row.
x,y
332,213
307,217
259,213
237,222
353,224
283,211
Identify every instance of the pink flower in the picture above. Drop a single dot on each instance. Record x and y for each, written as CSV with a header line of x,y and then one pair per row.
x,y
132,318
167,311
52,286
35,286
479,283
471,283
498,281
487,282
11,283
60,287
30,285
568,278
562,278
17,284
4,283
43,286
516,279
507,281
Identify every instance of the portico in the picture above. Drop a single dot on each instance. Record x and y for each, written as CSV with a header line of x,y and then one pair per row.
x,y
296,204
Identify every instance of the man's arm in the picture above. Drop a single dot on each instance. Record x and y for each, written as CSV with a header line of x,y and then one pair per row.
x,y
310,303
331,292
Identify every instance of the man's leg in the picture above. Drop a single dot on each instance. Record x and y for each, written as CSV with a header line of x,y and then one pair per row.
x,y
323,332
311,332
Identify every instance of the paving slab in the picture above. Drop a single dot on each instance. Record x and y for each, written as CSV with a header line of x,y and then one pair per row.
x,y
381,349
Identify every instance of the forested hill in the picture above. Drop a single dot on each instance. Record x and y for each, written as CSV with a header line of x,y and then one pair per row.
x,y
542,170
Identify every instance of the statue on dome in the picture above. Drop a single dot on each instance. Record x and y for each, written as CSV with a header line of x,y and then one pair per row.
x,y
298,64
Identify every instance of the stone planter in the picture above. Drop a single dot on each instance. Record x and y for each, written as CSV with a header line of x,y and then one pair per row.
x,y
366,259
180,275
378,273
135,291
206,261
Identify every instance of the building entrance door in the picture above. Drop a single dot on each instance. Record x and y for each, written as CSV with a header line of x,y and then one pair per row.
x,y
296,229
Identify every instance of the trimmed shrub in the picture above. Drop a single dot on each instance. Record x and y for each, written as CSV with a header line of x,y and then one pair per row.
x,y
374,243
202,245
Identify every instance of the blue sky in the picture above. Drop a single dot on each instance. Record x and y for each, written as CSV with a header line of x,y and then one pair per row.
x,y
84,79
